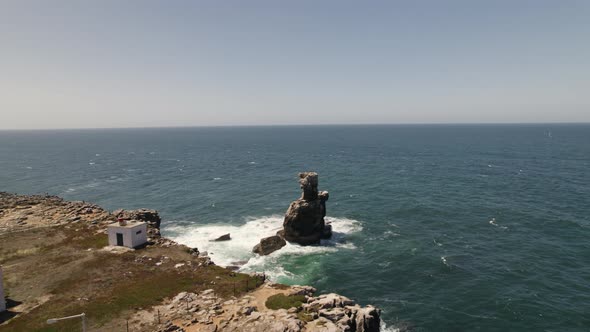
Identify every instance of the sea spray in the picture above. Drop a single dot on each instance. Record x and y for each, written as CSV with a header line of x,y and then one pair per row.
x,y
238,251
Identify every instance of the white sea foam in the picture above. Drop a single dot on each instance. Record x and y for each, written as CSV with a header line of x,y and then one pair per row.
x,y
384,264
385,328
244,237
493,223
114,179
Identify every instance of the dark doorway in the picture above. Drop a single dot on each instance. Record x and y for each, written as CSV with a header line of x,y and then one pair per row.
x,y
119,239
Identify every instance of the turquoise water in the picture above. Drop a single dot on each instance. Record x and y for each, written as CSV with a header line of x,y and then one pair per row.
x,y
446,228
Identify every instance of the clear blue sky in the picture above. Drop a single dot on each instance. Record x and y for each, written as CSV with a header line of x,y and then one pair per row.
x,y
72,64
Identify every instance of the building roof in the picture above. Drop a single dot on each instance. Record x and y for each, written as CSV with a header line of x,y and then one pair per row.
x,y
130,224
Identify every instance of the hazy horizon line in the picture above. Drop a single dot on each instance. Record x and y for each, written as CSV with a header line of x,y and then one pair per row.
x,y
306,125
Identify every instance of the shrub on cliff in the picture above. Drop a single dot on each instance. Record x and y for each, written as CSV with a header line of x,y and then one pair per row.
x,y
282,301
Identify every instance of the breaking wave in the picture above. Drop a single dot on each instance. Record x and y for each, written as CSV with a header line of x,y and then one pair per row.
x,y
238,251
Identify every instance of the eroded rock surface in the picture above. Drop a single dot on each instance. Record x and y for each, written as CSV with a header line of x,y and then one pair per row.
x,y
207,312
224,237
269,245
19,212
304,221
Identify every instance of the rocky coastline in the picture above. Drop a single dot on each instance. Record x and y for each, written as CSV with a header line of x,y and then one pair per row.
x,y
206,311
213,308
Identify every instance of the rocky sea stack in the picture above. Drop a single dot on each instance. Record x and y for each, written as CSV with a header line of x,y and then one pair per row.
x,y
304,221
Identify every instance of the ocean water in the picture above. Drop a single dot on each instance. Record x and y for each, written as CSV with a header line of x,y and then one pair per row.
x,y
446,228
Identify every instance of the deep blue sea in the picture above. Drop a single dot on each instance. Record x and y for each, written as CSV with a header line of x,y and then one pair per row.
x,y
444,227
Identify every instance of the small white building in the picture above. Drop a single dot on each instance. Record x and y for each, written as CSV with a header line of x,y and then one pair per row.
x,y
131,234
2,299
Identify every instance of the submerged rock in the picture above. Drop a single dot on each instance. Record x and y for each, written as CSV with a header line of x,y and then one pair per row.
x,y
304,221
269,245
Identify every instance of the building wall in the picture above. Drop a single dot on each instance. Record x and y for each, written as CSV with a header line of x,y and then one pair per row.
x,y
131,238
139,235
113,230
2,300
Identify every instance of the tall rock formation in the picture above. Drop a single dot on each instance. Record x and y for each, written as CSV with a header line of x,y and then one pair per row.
x,y
304,221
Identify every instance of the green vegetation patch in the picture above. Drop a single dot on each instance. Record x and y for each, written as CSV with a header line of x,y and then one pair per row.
x,y
282,301
304,317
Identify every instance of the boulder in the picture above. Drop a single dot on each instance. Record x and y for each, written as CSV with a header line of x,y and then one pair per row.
x,y
328,301
302,290
247,310
304,221
269,245
333,315
224,237
368,319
